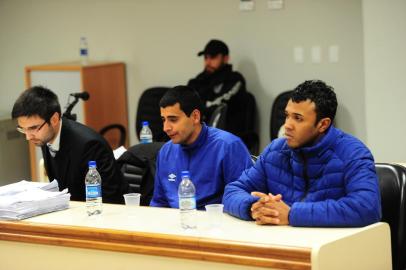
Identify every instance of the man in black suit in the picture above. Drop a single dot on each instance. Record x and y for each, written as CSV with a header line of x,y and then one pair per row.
x,y
67,146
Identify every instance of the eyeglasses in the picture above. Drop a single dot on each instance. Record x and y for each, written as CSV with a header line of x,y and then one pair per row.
x,y
31,130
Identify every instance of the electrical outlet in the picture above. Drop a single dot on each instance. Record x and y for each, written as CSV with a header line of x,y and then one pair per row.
x,y
316,54
333,53
298,54
246,5
275,4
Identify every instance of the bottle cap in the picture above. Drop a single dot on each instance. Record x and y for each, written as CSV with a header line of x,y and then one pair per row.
x,y
145,123
185,174
92,164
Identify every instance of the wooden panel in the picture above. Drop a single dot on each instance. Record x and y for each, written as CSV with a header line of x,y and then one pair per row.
x,y
106,84
108,97
42,257
67,66
62,83
187,247
31,146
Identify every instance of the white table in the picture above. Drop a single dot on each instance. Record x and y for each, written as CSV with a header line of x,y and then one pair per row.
x,y
151,238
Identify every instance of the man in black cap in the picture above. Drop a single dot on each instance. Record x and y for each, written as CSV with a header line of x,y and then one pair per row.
x,y
218,83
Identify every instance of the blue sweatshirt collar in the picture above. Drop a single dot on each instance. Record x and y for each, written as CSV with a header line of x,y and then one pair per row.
x,y
201,139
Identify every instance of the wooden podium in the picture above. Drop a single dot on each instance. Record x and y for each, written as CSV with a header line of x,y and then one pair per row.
x,y
106,84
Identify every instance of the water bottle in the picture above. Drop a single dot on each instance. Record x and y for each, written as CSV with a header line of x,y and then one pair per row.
x,y
84,52
93,190
187,202
146,133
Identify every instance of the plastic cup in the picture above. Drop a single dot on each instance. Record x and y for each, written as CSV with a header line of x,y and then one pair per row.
x,y
214,214
132,199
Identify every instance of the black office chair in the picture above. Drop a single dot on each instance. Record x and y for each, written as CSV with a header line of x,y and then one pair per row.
x,y
242,121
218,117
277,119
138,167
114,139
148,110
250,134
392,184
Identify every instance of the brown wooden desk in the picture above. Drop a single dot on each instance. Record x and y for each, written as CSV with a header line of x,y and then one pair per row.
x,y
151,238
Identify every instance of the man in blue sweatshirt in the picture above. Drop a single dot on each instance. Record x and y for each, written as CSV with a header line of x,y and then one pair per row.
x,y
213,157
316,176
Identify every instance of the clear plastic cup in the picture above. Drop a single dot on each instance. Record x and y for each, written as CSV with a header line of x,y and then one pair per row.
x,y
132,199
214,214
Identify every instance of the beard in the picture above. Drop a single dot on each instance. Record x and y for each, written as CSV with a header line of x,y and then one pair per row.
x,y
210,69
38,142
47,138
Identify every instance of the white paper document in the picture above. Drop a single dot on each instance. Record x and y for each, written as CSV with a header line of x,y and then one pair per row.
x,y
26,199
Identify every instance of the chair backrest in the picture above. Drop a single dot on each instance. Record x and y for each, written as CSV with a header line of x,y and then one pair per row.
x,y
113,138
244,122
133,175
148,110
250,117
242,114
392,184
138,168
218,117
277,119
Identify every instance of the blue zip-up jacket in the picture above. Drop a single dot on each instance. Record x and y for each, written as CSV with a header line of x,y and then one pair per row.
x,y
215,159
330,184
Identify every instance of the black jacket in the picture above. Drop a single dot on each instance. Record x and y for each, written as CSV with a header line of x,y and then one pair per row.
x,y
222,86
78,145
142,156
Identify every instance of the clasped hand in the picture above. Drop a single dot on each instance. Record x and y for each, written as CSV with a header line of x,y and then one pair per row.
x,y
270,209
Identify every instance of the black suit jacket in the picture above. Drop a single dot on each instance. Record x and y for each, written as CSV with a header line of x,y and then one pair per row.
x,y
78,145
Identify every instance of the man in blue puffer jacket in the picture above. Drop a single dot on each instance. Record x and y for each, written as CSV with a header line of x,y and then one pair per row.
x,y
213,157
316,176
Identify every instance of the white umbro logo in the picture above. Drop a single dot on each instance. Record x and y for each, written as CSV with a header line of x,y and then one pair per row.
x,y
172,177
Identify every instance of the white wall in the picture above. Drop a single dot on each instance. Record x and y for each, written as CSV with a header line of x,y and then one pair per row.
x,y
385,78
159,39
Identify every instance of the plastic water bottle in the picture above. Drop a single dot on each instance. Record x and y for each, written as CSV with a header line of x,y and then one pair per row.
x,y
187,202
84,51
93,190
146,133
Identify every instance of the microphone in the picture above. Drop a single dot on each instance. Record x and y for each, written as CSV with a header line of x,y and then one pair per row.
x,y
82,95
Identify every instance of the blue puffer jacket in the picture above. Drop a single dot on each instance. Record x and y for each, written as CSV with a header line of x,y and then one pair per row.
x,y
332,183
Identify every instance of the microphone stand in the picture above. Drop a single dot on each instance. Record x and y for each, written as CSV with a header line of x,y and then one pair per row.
x,y
67,114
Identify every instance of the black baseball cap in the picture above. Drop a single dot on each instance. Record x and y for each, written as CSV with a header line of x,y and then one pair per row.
x,y
214,47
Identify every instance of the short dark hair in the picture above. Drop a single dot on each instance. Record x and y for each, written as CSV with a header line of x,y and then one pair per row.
x,y
36,100
321,94
188,99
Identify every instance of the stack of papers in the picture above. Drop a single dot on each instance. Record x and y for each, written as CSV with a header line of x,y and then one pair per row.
x,y
26,199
